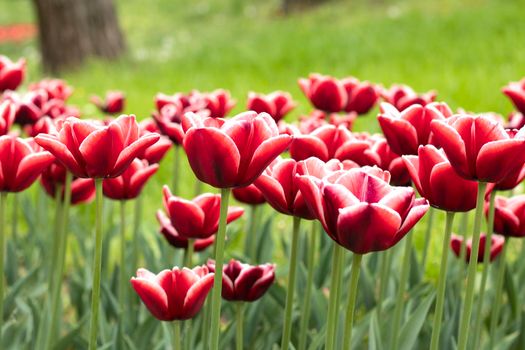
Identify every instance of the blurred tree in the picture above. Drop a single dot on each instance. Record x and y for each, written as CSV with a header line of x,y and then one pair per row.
x,y
72,30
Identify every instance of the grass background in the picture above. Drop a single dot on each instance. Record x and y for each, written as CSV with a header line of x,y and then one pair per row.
x,y
466,50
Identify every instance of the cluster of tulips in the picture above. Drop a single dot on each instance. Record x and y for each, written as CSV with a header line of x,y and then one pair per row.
x,y
357,186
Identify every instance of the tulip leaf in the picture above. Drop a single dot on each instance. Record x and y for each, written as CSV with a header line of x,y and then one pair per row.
x,y
375,341
510,288
410,331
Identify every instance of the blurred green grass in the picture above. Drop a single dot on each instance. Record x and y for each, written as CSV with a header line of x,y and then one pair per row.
x,y
466,50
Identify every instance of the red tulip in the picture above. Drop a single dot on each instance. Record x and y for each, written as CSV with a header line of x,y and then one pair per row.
x,y
324,92
406,131
95,151
473,144
388,160
232,153
154,153
112,104
218,102
55,88
277,104
130,183
248,195
20,163
82,190
516,121
243,282
495,247
516,92
176,294
437,181
509,216
11,73
28,106
362,96
359,209
403,96
199,217
330,142
7,116
176,240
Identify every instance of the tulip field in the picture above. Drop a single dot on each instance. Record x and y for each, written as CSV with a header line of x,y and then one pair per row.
x,y
346,177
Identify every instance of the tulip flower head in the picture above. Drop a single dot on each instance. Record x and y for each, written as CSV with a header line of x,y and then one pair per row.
x,y
403,96
199,217
360,210
131,182
232,153
324,92
55,88
11,73
437,181
277,104
7,116
516,92
509,216
361,96
91,150
218,103
495,248
82,190
20,163
243,282
175,239
249,195
112,104
473,144
176,294
405,131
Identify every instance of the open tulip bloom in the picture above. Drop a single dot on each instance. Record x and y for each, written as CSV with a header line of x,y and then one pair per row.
x,y
516,92
11,73
277,104
495,247
7,116
403,96
177,240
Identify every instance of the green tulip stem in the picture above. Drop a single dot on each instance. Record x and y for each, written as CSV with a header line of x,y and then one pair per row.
x,y
175,176
58,270
352,296
97,267
217,281
310,268
494,318
189,253
251,238
123,279
486,266
55,240
384,274
428,236
442,283
400,298
463,227
471,275
239,311
3,198
290,290
137,217
176,340
335,279
14,220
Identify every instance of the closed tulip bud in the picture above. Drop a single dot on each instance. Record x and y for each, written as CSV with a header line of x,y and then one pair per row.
x,y
91,150
219,103
55,88
11,73
112,104
516,92
360,210
473,144
324,92
403,96
176,294
199,217
277,104
405,131
509,216
82,190
131,182
176,240
243,282
362,96
248,195
20,163
232,153
495,248
437,181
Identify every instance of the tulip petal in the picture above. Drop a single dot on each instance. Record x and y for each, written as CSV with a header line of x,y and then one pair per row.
x,y
130,152
30,169
449,191
197,295
61,152
153,296
448,138
400,134
306,146
187,217
505,153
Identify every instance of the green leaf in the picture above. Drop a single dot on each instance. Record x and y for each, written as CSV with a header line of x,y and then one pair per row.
x,y
412,327
375,341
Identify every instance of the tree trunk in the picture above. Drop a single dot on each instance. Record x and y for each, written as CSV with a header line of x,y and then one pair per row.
x,y
72,30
